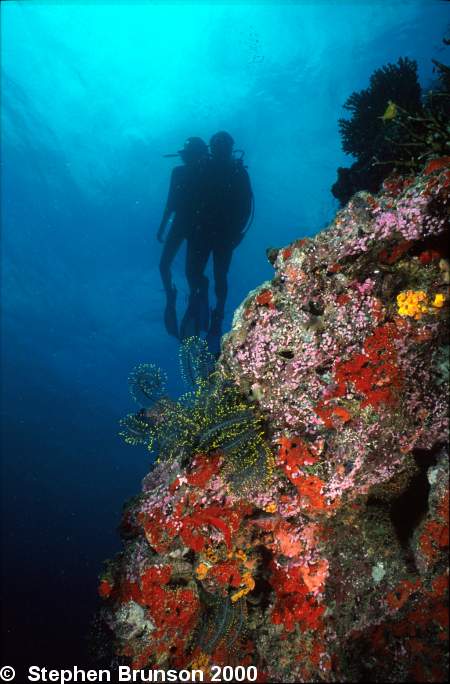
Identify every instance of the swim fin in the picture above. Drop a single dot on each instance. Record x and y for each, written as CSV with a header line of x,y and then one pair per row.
x,y
214,335
190,324
203,305
170,313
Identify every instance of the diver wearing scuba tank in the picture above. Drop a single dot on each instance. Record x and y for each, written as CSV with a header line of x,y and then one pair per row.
x,y
225,213
182,203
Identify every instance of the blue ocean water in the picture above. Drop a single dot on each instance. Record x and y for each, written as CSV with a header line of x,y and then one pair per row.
x,y
93,96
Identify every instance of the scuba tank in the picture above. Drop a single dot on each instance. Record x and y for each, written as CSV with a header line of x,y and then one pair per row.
x,y
251,217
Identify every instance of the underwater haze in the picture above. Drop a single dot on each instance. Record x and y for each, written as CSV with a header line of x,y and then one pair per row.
x,y
93,96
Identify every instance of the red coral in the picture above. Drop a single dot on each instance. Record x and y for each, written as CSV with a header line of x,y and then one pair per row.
x,y
286,539
435,533
191,537
213,515
374,372
390,256
377,310
397,598
294,453
155,575
129,591
329,414
161,529
436,165
265,298
440,585
225,520
310,488
158,529
226,573
394,186
105,589
429,255
442,508
174,613
204,467
293,605
434,537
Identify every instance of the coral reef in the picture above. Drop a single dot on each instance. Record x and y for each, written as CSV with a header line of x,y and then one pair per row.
x,y
325,558
393,125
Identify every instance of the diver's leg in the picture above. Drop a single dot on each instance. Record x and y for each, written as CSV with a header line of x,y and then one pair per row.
x,y
222,259
171,246
196,261
197,312
222,255
197,255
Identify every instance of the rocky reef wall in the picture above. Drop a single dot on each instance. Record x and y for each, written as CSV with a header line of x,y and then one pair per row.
x,y
322,555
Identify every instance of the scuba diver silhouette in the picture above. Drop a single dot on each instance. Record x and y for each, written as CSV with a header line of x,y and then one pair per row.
x,y
226,205
183,203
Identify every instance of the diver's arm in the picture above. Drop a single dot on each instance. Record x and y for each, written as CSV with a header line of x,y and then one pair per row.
x,y
247,199
244,206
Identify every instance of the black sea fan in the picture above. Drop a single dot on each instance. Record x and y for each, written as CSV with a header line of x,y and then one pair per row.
x,y
394,127
364,133
375,133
